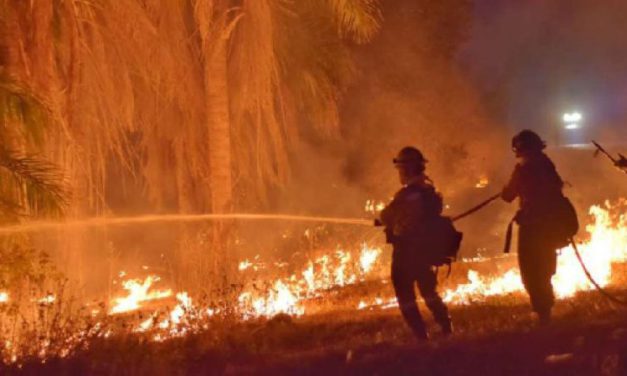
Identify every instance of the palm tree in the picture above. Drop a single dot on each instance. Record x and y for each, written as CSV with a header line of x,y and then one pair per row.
x,y
266,62
221,85
29,184
197,101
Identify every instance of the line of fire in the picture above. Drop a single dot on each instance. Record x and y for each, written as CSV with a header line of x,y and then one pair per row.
x,y
369,187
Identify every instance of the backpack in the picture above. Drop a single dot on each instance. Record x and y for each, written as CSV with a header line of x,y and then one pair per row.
x,y
564,222
439,236
442,240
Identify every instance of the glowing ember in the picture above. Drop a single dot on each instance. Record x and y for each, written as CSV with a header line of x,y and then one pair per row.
x,y
48,299
374,207
137,294
4,297
482,183
244,265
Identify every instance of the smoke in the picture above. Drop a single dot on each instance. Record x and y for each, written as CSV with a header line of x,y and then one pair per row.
x,y
409,90
457,81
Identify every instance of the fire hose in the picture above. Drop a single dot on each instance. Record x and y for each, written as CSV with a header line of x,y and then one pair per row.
x,y
475,208
592,280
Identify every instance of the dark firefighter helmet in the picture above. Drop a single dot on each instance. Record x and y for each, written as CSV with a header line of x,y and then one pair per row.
x,y
410,156
528,141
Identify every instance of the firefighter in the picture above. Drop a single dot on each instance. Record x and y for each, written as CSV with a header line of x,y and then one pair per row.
x,y
538,186
415,203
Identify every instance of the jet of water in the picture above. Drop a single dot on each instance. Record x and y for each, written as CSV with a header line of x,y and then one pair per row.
x,y
109,221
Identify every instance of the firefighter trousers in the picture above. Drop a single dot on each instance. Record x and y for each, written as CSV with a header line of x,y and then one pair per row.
x,y
404,279
537,260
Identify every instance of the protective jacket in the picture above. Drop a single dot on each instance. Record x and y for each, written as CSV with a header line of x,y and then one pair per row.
x,y
538,185
406,216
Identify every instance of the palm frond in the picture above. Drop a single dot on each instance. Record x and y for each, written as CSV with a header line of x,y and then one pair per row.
x,y
357,19
19,105
37,186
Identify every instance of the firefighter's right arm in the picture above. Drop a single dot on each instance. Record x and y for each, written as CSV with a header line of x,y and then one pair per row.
x,y
511,190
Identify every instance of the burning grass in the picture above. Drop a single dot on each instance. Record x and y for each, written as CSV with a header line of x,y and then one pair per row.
x,y
281,298
496,335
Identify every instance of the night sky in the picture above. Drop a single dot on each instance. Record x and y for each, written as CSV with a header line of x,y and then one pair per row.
x,y
534,60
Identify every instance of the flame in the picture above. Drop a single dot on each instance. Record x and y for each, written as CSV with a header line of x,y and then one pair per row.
x,y
373,206
284,295
482,183
298,293
279,299
244,265
287,294
368,257
137,294
48,299
607,245
478,287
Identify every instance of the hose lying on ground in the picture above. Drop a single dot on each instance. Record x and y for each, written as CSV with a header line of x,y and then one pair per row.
x,y
592,280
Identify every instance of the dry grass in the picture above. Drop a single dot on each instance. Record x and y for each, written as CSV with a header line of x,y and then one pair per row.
x,y
496,337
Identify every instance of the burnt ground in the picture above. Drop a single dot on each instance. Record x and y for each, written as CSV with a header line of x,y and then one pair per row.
x,y
496,337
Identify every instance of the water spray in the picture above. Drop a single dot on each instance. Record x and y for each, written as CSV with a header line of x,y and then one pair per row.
x,y
120,221
145,219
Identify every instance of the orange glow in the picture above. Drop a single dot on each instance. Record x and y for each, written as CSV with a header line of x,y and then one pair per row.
x,y
606,245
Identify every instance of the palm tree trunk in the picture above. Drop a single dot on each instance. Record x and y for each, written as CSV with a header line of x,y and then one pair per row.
x,y
213,22
219,126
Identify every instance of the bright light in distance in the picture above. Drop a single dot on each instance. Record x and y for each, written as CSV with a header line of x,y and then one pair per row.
x,y
571,126
573,117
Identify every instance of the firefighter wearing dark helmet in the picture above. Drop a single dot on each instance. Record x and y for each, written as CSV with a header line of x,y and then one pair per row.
x,y
538,186
416,202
